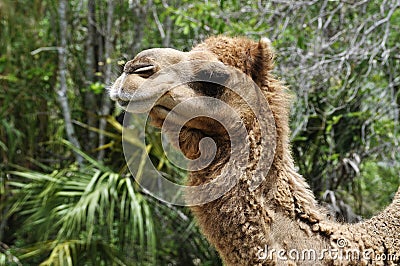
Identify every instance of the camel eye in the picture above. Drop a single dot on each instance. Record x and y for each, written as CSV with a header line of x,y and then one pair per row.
x,y
144,71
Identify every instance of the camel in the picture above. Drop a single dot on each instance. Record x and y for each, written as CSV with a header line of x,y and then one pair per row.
x,y
279,222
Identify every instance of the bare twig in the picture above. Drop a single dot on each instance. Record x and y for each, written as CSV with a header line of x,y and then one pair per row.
x,y
45,49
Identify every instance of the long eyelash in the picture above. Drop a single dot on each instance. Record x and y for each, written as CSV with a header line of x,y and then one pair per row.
x,y
129,69
143,69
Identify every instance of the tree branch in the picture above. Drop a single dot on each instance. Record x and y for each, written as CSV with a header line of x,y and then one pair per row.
x,y
62,76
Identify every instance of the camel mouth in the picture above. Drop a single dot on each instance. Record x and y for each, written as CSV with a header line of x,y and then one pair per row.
x,y
167,115
136,103
161,111
172,120
123,103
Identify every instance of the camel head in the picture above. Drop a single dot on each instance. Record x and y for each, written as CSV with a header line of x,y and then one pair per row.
x,y
179,86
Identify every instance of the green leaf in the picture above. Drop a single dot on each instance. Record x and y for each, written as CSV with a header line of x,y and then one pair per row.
x,y
97,87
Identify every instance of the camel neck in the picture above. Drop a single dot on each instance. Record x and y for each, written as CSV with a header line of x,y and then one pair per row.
x,y
261,217
282,187
291,193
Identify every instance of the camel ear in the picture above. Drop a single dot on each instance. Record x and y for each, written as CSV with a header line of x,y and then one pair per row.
x,y
261,60
266,52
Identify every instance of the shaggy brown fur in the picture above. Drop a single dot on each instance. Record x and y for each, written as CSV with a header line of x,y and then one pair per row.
x,y
281,218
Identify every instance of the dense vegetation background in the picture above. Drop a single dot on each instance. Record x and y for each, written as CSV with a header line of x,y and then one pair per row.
x,y
66,196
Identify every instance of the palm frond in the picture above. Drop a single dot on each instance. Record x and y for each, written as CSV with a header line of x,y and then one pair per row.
x,y
85,207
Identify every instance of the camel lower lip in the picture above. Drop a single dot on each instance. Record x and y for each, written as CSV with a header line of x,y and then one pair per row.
x,y
161,110
123,103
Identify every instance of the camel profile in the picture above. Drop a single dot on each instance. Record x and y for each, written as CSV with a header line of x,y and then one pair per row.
x,y
279,222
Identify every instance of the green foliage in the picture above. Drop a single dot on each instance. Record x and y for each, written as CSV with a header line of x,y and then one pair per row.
x,y
376,175
82,214
95,215
97,87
